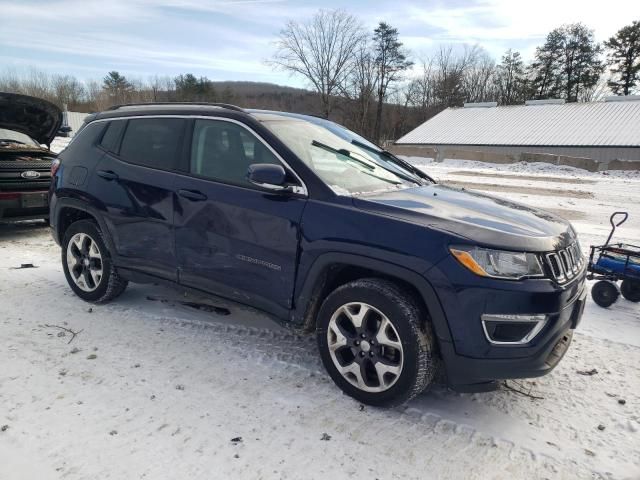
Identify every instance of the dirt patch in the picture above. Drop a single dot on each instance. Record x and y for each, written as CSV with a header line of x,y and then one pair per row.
x,y
567,214
536,178
494,188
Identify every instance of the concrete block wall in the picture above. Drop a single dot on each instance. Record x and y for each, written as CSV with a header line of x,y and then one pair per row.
x,y
439,154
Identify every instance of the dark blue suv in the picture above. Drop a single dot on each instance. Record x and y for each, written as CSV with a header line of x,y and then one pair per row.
x,y
400,277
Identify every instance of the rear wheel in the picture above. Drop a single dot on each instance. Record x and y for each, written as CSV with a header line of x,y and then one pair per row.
x,y
375,342
605,293
630,290
87,264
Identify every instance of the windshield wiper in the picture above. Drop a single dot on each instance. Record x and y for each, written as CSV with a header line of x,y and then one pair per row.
x,y
9,140
343,152
349,157
394,159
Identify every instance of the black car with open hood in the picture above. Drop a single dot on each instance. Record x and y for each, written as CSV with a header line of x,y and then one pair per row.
x,y
35,117
26,124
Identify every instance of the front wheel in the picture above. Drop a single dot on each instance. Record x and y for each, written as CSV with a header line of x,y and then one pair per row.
x,y
87,264
630,290
376,342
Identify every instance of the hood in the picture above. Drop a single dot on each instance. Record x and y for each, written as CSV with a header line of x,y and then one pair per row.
x,y
30,115
479,218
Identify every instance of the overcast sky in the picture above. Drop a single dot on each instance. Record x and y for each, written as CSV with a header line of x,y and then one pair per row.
x,y
230,40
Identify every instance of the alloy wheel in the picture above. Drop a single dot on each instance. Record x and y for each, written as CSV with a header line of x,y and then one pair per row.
x,y
365,347
84,261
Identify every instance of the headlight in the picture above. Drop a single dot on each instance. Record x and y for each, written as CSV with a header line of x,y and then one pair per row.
x,y
498,263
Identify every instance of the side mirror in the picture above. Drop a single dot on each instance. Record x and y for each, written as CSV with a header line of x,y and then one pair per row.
x,y
268,176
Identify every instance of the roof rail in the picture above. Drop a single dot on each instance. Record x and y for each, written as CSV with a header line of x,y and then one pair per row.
x,y
221,105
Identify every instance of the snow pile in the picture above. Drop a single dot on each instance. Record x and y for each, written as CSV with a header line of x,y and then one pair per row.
x,y
59,144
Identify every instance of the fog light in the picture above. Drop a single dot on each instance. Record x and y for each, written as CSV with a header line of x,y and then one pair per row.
x,y
512,329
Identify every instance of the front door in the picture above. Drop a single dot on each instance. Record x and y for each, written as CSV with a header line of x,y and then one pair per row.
x,y
232,238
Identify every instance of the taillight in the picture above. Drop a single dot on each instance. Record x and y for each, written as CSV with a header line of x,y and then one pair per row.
x,y
54,167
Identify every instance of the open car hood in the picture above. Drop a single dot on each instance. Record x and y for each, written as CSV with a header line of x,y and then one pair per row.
x,y
30,115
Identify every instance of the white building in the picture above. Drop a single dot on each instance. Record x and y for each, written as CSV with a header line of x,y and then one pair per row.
x,y
604,130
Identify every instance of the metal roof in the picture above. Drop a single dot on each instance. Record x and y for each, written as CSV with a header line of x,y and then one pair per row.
x,y
605,124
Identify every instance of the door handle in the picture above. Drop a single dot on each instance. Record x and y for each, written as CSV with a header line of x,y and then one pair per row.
x,y
108,174
194,195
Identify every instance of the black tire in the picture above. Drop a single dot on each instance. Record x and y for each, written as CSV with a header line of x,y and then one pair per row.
x,y
419,361
630,290
605,293
110,284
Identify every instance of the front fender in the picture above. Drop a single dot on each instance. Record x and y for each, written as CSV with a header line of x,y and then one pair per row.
x,y
306,295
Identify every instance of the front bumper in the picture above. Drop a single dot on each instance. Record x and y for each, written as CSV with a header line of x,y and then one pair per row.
x,y
24,205
471,361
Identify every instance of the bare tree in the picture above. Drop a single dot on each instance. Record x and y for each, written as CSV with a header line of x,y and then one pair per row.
x,y
421,90
10,81
321,50
68,90
97,98
451,65
476,80
360,87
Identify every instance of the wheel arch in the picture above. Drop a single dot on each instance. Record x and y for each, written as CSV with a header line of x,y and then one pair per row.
x,y
69,210
331,270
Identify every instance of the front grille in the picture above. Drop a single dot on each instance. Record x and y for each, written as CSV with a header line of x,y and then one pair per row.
x,y
21,166
565,264
11,179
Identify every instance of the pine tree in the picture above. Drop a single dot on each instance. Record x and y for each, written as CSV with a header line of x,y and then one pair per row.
x,y
582,64
547,67
391,61
189,88
624,58
117,87
510,79
568,65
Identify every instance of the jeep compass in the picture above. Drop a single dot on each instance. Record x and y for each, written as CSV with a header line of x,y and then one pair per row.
x,y
400,277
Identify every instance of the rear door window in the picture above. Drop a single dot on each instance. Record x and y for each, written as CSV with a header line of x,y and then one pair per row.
x,y
111,138
153,142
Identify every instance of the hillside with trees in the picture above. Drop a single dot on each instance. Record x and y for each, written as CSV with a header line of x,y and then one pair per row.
x,y
368,80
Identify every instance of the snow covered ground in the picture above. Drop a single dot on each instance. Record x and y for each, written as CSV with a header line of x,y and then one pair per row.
x,y
152,388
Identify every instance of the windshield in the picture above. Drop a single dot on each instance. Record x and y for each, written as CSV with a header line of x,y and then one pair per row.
x,y
10,136
346,168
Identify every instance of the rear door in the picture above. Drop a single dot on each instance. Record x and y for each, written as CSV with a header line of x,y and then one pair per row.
x,y
232,238
135,179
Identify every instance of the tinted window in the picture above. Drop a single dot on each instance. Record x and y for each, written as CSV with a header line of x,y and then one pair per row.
x,y
153,142
111,136
83,142
223,151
